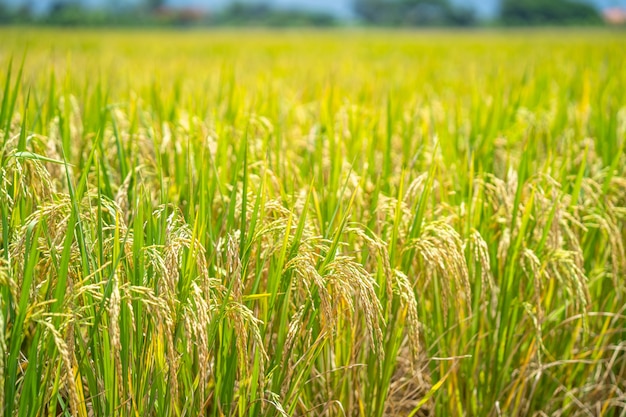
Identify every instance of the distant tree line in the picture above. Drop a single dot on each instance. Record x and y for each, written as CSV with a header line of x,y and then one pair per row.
x,y
413,13
245,14
445,13
156,13
542,12
392,13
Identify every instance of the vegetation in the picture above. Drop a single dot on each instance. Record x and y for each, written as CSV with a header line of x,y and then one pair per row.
x,y
155,13
290,224
386,13
242,14
554,12
413,13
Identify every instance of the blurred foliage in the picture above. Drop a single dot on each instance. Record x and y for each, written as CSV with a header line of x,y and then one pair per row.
x,y
156,13
413,13
242,14
73,14
541,12
390,13
155,4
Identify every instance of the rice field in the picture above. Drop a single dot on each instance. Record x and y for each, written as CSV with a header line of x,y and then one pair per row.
x,y
345,223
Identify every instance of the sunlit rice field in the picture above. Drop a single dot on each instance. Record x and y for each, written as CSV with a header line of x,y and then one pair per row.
x,y
347,223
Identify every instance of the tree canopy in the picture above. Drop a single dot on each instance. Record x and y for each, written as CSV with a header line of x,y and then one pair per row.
x,y
412,12
542,12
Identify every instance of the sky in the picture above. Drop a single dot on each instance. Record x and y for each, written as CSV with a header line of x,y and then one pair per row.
x,y
340,8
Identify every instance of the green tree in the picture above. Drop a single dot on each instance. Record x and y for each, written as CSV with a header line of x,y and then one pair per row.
x,y
242,14
154,4
5,13
547,12
66,13
412,12
15,14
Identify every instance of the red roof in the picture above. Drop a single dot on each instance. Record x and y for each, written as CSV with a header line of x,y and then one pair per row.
x,y
614,16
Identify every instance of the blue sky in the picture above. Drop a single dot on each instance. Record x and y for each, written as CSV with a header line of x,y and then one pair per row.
x,y
337,7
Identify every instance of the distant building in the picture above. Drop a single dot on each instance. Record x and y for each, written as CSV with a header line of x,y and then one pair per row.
x,y
183,15
614,16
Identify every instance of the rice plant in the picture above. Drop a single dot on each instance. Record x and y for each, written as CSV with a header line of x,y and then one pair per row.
x,y
312,223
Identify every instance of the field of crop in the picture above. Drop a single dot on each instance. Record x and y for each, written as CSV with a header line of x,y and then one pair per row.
x,y
312,224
